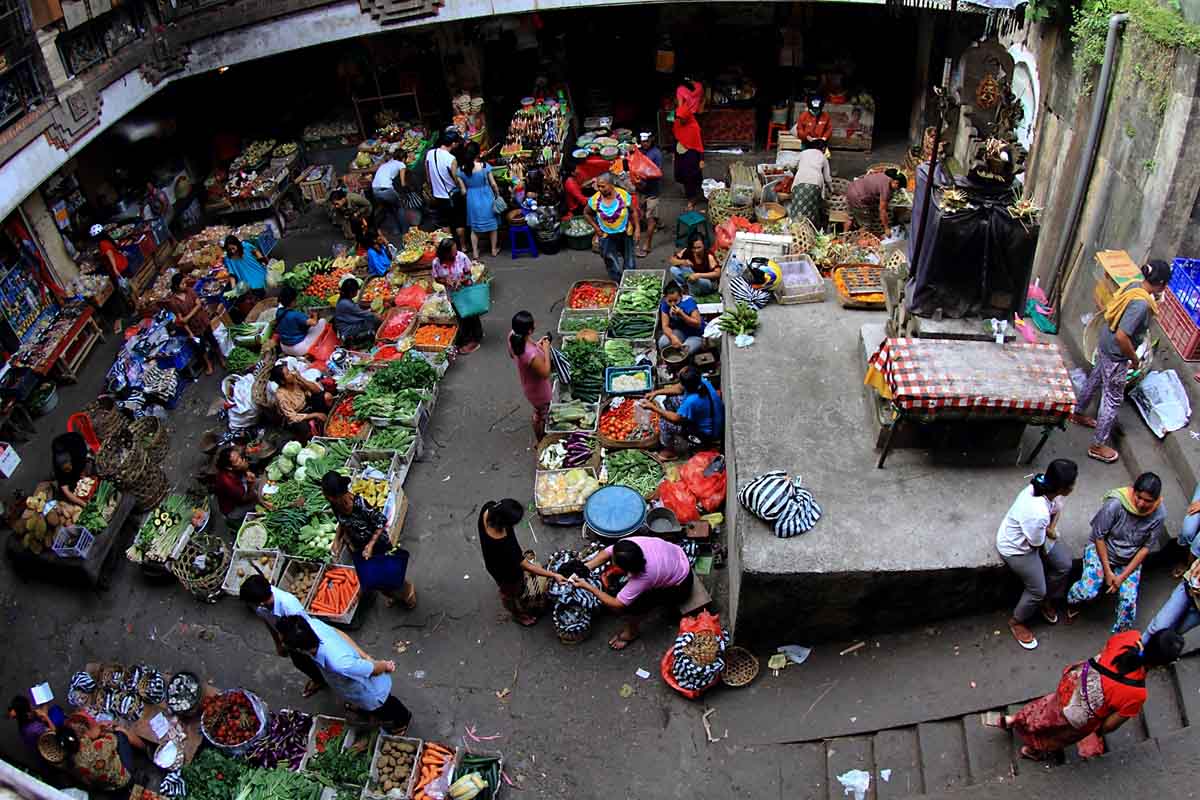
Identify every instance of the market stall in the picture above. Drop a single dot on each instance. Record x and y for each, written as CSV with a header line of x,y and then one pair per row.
x,y
410,138
260,181
945,380
59,340
534,144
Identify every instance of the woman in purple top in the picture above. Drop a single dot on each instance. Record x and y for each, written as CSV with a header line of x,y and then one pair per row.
x,y
533,368
868,198
31,722
659,575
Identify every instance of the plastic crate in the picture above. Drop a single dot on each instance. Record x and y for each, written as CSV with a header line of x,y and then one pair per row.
x,y
233,582
1185,284
373,791
1179,326
63,547
343,618
578,313
801,283
611,373
291,570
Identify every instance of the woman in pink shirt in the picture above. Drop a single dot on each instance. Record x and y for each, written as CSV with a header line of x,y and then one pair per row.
x,y
659,575
533,368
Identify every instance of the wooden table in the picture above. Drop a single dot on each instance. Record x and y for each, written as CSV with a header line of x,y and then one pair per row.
x,y
92,570
71,349
942,379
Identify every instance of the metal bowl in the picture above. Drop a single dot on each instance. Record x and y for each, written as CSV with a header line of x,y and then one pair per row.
x,y
663,522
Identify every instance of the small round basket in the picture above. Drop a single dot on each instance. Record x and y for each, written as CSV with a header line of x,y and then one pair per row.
x,y
804,235
204,582
49,748
741,667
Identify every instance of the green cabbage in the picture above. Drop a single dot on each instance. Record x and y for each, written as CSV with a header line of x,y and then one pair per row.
x,y
291,448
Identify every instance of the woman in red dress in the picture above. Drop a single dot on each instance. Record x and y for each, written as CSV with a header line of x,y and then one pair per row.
x,y
1094,697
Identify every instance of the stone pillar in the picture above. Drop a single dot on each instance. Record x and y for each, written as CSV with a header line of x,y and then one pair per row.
x,y
916,123
61,265
53,60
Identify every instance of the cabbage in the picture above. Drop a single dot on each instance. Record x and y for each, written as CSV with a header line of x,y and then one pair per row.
x,y
273,472
304,456
285,464
300,474
291,448
317,450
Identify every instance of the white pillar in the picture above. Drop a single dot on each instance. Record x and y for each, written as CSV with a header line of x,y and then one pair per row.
x,y
61,265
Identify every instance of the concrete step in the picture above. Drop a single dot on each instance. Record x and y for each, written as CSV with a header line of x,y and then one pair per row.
x,y
989,750
897,750
944,763
845,754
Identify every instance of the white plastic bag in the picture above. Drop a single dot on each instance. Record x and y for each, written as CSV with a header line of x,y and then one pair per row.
x,y
221,333
1162,401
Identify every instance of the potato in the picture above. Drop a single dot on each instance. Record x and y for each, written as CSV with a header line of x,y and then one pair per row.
x,y
389,785
406,747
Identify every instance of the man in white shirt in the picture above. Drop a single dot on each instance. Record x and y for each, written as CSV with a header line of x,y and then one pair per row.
x,y
449,206
390,175
272,604
363,682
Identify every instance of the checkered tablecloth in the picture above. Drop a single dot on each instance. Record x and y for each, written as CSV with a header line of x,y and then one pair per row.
x,y
1017,379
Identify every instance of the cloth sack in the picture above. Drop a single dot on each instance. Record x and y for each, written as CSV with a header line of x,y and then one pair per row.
x,y
777,498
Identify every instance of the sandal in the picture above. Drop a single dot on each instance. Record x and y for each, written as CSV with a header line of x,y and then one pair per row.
x,y
1109,457
311,688
1031,754
994,719
410,598
643,253
1085,421
619,642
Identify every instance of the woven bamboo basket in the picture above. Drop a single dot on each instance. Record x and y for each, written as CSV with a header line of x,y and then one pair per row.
x,y
840,185
741,667
150,490
106,419
804,235
882,166
703,649
49,748
262,375
575,638
204,582
896,260
151,434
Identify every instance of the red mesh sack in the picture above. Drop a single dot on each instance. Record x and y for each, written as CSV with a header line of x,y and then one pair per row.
x,y
708,489
675,496
702,622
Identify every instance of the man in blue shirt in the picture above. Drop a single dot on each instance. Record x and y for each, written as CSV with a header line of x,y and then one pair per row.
x,y
681,323
648,191
364,683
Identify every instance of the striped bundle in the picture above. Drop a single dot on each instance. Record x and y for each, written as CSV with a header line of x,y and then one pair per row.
x,y
573,605
699,659
777,498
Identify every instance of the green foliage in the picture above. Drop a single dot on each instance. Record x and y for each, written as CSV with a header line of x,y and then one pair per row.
x,y
1048,11
1161,25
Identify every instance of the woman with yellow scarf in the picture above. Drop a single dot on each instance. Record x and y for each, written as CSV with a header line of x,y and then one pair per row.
x,y
1128,317
1128,526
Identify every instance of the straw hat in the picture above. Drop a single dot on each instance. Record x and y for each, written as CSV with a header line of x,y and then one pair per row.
x,y
49,748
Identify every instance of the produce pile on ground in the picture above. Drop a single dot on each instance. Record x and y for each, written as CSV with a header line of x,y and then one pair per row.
x,y
299,532
336,592
37,526
583,322
575,450
619,423
619,353
742,320
304,488
707,299
320,279
567,489
588,295
437,308
229,718
633,468
632,325
284,742
337,766
575,415
587,368
276,784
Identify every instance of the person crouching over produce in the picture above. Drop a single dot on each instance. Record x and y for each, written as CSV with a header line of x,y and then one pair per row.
x,y
71,461
363,682
355,325
452,269
235,486
271,604
302,403
693,414
533,368
193,319
508,564
659,575
681,323
297,331
364,530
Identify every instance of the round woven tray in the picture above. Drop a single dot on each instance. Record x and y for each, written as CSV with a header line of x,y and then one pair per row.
x,y
49,748
574,638
741,667
205,585
703,649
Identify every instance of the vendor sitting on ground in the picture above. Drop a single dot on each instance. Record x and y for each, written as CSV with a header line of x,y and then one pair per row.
x,y
680,317
297,331
303,404
659,575
98,754
193,318
695,268
363,682
868,199
379,256
693,411
354,324
70,460
346,207
247,264
234,485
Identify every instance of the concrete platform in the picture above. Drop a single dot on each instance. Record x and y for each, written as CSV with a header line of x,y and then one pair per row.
x,y
899,546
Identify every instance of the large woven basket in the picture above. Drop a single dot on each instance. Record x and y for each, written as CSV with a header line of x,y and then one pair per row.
x,y
151,434
804,235
49,748
840,185
262,375
203,583
151,489
741,667
106,419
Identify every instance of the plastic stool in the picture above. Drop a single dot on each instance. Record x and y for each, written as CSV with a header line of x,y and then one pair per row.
x,y
530,249
82,424
689,222
773,128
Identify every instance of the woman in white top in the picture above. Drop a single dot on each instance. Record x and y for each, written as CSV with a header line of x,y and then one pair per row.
x,y
1026,542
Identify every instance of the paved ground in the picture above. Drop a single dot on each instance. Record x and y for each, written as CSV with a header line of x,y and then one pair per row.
x,y
563,724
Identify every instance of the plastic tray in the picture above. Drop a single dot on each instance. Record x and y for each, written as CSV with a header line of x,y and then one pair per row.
x,y
801,283
597,283
573,509
233,582
400,462
661,274
344,618
571,313
367,791
291,567
617,310
613,372
653,315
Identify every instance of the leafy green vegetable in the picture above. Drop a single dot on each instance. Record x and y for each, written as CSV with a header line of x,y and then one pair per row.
x,y
410,372
337,766
274,784
212,775
635,469
240,359
587,369
643,298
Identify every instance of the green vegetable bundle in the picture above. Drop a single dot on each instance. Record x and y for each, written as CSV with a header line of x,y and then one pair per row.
x,y
335,766
742,319
93,516
635,469
643,298
242,330
240,359
410,372
587,369
283,531
707,299
631,325
391,439
293,490
619,353
575,415
592,322
299,276
335,458
212,775
274,784
641,281
391,405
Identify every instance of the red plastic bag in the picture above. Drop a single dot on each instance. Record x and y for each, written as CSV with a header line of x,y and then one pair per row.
x,y
703,622
410,297
725,234
681,502
641,167
708,489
